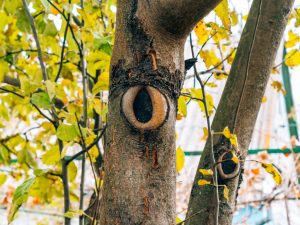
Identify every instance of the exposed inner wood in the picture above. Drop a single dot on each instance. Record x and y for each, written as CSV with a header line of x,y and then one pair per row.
x,y
145,108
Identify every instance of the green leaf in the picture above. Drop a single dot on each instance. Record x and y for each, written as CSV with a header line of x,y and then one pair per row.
x,y
25,156
22,21
73,213
50,29
66,132
4,154
41,100
20,196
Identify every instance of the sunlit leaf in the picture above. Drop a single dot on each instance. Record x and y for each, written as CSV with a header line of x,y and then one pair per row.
x,y
203,182
182,108
226,132
206,172
293,58
3,178
67,132
74,213
222,11
278,86
234,158
41,100
178,220
179,159
271,169
226,193
205,134
72,171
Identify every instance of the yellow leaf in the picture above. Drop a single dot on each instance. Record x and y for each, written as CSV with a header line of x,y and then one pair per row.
x,y
182,109
178,220
234,158
231,57
203,182
264,99
210,58
226,192
205,134
275,70
197,93
222,11
3,178
293,58
50,86
102,83
292,40
233,140
271,169
206,172
179,159
278,86
232,137
220,76
52,156
72,171
234,18
226,132
4,68
211,84
201,32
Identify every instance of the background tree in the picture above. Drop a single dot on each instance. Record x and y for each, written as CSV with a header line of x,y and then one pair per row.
x,y
54,67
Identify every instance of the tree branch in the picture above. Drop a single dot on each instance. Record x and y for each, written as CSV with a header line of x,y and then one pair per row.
x,y
88,147
179,17
35,36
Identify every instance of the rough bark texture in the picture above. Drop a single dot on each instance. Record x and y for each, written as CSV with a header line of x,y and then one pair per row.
x,y
240,103
139,181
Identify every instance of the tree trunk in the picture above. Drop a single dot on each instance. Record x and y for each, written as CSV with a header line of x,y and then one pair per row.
x,y
239,106
147,71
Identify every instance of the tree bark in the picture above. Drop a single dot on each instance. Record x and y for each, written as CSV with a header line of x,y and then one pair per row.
x,y
147,71
239,105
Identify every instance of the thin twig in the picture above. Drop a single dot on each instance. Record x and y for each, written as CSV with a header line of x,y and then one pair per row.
x,y
12,92
190,217
63,49
35,36
88,147
215,177
65,181
50,120
23,50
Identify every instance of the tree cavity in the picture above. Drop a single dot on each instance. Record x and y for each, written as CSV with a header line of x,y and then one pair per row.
x,y
144,107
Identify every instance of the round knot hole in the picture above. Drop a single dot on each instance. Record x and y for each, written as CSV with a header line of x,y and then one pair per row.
x,y
142,106
227,168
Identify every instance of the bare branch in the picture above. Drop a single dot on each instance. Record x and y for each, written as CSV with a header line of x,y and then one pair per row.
x,y
37,42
